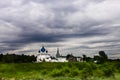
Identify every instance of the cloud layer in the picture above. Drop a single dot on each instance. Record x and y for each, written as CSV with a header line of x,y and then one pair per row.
x,y
79,26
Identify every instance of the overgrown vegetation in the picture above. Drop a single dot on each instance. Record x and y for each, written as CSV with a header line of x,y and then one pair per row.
x,y
60,71
23,67
13,58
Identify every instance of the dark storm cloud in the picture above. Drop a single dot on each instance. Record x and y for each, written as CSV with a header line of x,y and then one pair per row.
x,y
23,22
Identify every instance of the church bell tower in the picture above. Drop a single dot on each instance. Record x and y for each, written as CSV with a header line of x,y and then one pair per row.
x,y
57,54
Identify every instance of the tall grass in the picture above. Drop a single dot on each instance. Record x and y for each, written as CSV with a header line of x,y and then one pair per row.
x,y
60,71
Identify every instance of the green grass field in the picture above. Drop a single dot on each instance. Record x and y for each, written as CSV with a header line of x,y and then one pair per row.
x,y
60,71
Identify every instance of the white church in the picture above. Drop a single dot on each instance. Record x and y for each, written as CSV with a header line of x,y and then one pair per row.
x,y
44,56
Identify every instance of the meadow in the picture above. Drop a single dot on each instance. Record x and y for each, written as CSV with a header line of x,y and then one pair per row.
x,y
60,71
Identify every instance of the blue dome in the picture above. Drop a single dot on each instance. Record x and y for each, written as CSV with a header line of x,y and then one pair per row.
x,y
43,49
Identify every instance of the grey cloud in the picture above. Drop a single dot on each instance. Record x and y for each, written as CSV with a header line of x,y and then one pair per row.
x,y
31,21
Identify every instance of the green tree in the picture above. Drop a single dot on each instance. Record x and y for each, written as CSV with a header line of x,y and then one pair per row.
x,y
103,56
84,57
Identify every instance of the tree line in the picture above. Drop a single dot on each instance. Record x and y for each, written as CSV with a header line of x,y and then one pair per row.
x,y
13,58
101,58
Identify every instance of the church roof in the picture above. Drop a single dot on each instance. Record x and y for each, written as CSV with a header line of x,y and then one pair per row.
x,y
43,49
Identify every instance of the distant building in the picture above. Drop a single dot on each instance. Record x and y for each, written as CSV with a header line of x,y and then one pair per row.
x,y
79,59
71,58
43,55
59,57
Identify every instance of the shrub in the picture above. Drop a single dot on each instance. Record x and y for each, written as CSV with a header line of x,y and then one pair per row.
x,y
108,72
56,73
44,72
86,73
75,73
98,73
66,71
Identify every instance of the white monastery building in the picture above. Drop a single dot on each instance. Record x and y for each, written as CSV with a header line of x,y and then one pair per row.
x,y
44,56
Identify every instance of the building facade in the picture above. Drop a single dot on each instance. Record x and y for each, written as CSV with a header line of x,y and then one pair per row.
x,y
43,56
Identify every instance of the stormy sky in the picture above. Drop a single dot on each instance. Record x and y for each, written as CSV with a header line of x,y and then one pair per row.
x,y
74,26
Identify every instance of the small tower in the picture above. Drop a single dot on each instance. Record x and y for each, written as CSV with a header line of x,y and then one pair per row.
x,y
57,54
